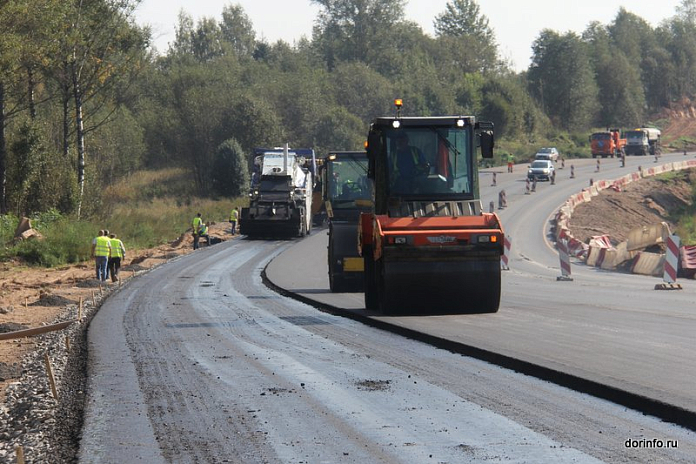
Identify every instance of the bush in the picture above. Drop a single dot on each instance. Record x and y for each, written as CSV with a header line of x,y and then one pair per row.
x,y
8,225
39,252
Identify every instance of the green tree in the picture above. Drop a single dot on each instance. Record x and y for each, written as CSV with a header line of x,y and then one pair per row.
x,y
463,17
230,175
346,30
104,51
561,80
238,30
40,179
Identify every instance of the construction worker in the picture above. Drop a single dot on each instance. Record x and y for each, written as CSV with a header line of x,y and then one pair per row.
x,y
101,250
234,217
407,163
118,253
203,232
196,225
510,162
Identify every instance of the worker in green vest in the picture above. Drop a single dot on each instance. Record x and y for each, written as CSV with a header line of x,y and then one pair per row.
x,y
234,217
203,232
196,225
118,253
101,250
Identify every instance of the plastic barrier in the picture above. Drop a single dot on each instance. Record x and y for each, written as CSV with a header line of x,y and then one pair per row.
x,y
646,263
643,237
565,261
688,261
606,256
505,257
671,260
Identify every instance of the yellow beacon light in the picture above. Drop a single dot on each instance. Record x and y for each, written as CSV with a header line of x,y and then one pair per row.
x,y
398,102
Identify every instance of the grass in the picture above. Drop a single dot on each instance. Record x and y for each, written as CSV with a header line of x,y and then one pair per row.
x,y
163,219
147,209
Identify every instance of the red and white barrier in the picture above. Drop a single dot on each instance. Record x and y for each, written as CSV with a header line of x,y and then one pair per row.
x,y
671,265
565,260
504,259
671,260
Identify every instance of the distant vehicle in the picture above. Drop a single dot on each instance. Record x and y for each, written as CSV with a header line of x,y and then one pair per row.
x,y
540,169
643,141
607,143
280,200
550,154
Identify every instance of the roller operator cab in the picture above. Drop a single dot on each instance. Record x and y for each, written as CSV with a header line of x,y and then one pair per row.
x,y
428,247
347,192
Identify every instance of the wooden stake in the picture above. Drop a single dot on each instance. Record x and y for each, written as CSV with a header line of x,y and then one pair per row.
x,y
101,290
67,343
19,452
26,302
51,380
94,299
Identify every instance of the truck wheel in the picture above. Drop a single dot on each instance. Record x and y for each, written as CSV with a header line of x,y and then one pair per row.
x,y
371,302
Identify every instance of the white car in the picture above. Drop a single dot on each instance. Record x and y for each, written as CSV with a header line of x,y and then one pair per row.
x,y
540,169
550,154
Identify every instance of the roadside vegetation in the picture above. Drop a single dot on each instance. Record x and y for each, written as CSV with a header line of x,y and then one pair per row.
x,y
684,217
98,130
144,210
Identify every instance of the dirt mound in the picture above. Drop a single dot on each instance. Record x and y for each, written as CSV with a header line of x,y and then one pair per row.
x,y
682,122
46,299
649,201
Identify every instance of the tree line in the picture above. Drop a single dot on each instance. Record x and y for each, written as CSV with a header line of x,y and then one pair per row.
x,y
84,100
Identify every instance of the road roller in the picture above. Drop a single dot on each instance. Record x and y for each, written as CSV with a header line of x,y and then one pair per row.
x,y
428,246
346,192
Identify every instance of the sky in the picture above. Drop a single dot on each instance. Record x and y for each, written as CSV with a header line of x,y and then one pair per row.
x,y
516,23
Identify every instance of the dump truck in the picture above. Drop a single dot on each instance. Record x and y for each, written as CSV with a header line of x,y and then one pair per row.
x,y
280,198
428,246
643,141
607,143
347,193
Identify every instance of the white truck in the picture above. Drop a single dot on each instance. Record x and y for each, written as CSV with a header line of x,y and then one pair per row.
x,y
280,202
643,141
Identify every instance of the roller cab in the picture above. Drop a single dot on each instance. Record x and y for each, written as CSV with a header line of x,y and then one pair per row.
x,y
428,247
346,193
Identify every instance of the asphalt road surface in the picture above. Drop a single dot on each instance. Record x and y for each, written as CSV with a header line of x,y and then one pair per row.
x,y
198,361
611,328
